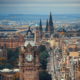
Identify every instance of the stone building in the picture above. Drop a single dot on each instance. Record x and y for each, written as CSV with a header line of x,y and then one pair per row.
x,y
29,59
12,41
77,70
3,53
7,74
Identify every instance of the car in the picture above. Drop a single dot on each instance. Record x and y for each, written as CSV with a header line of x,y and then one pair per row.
x,y
57,56
59,68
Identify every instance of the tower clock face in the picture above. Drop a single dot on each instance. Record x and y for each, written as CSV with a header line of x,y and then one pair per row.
x,y
29,57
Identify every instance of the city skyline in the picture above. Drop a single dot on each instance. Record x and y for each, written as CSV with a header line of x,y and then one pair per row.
x,y
39,7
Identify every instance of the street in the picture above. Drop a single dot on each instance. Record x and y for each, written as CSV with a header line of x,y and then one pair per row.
x,y
50,65
53,64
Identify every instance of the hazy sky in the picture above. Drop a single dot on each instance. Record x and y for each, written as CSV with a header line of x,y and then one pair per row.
x,y
40,6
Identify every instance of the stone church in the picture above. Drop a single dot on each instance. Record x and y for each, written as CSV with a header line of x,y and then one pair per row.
x,y
39,34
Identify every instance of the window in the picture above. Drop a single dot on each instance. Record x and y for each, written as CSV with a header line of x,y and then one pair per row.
x,y
29,34
3,43
23,55
23,70
8,44
3,55
15,44
23,61
12,42
79,53
11,45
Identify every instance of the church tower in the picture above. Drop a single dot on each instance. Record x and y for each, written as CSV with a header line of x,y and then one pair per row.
x,y
46,30
40,29
29,64
50,27
36,38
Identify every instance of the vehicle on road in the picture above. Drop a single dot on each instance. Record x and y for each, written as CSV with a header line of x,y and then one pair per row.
x,y
59,68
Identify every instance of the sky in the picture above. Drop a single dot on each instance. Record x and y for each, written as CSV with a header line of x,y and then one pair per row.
x,y
39,6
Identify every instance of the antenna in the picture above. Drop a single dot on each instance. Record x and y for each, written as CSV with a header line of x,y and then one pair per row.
x,y
29,21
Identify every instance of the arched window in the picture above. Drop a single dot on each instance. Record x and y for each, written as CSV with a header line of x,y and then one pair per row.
x,y
29,34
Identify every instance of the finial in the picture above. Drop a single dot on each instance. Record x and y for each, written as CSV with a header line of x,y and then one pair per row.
x,y
29,27
29,21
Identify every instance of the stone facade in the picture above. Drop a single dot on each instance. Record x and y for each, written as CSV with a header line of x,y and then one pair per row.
x,y
29,70
12,42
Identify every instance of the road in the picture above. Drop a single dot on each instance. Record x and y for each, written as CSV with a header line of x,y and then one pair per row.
x,y
56,64
50,65
53,64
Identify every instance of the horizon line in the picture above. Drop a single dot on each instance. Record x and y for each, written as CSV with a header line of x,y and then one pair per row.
x,y
35,14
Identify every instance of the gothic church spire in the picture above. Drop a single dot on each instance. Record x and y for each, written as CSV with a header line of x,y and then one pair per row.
x,y
46,26
50,27
50,20
40,26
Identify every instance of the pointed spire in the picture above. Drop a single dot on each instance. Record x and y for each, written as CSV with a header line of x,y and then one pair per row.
x,y
51,28
29,27
40,26
46,26
29,21
50,18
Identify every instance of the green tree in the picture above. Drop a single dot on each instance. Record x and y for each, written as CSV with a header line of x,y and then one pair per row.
x,y
2,60
10,53
43,55
43,59
2,66
2,47
42,48
9,66
43,75
16,50
44,64
12,59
